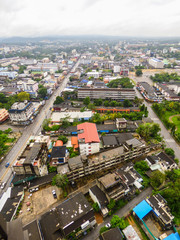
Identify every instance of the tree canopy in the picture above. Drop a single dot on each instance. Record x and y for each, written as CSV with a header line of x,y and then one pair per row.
x,y
58,100
60,181
116,221
139,72
122,82
22,96
149,131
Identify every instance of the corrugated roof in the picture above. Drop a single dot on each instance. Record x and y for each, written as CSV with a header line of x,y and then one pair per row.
x,y
89,134
142,209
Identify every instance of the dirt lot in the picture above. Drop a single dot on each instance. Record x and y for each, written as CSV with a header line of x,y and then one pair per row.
x,y
39,201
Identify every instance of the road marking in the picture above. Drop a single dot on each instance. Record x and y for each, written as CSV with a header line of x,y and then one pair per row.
x,y
169,140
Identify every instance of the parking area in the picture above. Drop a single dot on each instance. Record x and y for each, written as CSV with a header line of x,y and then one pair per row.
x,y
37,202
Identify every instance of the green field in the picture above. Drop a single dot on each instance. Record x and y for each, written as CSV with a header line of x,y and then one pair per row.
x,y
176,121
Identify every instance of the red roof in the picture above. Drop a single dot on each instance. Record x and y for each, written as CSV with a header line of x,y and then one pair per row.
x,y
58,143
74,142
89,134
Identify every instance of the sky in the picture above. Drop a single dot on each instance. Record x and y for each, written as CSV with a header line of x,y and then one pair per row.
x,y
143,18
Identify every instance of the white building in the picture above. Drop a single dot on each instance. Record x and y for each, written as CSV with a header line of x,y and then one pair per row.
x,y
57,117
117,69
20,113
88,138
93,74
156,63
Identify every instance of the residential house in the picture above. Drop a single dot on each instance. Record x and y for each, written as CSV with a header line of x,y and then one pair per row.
x,y
130,233
109,141
58,155
112,185
99,197
166,162
161,210
88,138
30,86
121,123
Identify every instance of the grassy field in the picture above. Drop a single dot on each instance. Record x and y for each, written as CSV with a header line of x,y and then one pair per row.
x,y
176,121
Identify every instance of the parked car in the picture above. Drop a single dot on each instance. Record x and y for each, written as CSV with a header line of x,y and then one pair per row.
x,y
54,193
108,225
7,165
3,184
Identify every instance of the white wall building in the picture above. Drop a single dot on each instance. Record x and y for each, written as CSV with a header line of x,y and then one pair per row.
x,y
156,63
94,74
88,138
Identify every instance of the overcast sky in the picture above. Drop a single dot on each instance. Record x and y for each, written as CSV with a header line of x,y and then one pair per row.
x,y
90,17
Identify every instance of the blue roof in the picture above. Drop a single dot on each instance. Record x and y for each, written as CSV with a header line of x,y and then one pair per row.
x,y
142,209
173,236
84,81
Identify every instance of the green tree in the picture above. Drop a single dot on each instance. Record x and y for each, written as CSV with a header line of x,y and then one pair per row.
x,y
127,103
86,101
42,92
65,123
98,102
157,178
91,106
22,96
169,151
58,100
138,72
96,207
116,221
60,181
63,138
21,69
141,167
111,204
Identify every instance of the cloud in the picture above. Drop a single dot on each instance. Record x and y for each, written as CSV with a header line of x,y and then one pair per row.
x,y
85,17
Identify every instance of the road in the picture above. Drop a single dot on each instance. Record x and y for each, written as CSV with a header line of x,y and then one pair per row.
x,y
121,213
32,129
169,140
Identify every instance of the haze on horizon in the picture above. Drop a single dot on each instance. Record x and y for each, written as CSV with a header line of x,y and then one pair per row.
x,y
142,18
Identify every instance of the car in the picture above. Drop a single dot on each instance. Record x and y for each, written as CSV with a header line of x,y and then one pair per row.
x,y
3,184
54,193
108,225
7,165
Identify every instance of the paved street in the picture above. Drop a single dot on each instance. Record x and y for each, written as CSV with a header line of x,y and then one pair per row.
x,y
32,129
169,140
121,213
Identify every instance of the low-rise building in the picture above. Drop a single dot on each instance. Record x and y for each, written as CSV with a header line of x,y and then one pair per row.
x,y
121,123
3,115
93,74
57,117
20,113
99,197
88,138
156,63
112,234
74,215
169,91
32,160
58,155
130,233
161,210
30,86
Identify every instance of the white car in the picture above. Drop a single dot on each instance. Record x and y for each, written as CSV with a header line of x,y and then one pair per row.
x,y
108,225
3,184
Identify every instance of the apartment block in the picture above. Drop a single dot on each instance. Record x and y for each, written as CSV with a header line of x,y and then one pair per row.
x,y
107,93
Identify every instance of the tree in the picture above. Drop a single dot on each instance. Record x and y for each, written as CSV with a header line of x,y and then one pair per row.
x,y
138,72
116,221
157,178
86,101
65,123
169,151
58,100
60,181
98,102
91,106
149,131
111,204
21,69
42,92
22,96
96,207
127,103
63,138
141,167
